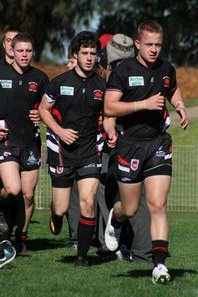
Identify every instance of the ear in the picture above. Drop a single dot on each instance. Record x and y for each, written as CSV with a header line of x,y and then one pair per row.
x,y
75,55
137,43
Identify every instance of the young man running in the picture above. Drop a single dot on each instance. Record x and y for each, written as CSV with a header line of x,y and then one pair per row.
x,y
136,94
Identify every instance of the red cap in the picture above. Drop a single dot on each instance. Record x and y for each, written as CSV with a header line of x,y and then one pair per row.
x,y
104,38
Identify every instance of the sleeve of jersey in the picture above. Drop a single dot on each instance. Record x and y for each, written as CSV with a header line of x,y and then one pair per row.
x,y
173,78
115,81
51,92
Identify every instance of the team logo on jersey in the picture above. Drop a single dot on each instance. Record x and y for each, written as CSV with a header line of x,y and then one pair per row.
x,y
166,81
134,164
66,90
7,154
135,81
32,86
6,83
98,95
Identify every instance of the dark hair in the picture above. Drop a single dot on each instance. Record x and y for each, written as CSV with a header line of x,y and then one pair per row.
x,y
85,39
150,26
22,37
9,29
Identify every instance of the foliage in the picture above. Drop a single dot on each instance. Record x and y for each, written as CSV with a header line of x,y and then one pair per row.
x,y
54,21
47,21
178,19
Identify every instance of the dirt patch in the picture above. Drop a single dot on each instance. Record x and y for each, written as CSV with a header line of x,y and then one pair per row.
x,y
187,77
188,81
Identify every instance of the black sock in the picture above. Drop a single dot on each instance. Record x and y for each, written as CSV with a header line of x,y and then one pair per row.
x,y
159,251
86,230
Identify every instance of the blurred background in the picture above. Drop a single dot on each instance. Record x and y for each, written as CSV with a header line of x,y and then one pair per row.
x,y
53,23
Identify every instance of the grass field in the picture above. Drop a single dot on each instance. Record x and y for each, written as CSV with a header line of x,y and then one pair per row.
x,y
47,269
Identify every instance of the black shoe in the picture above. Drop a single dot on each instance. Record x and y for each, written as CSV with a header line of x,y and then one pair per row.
x,y
20,247
72,244
3,224
55,224
80,262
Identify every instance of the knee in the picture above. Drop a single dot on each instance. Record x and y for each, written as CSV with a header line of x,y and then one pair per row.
x,y
28,199
87,207
129,213
13,190
157,207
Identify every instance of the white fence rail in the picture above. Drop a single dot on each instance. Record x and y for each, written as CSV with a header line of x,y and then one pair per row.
x,y
184,189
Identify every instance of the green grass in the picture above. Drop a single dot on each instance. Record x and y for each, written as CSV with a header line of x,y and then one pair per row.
x,y
47,270
185,137
189,102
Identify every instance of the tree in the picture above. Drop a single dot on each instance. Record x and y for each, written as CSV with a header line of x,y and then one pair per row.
x,y
47,21
55,21
178,18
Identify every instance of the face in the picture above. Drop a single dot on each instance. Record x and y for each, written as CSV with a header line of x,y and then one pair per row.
x,y
23,54
86,59
149,47
7,43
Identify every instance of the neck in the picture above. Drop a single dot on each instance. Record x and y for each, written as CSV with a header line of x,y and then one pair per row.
x,y
18,68
82,72
9,60
143,62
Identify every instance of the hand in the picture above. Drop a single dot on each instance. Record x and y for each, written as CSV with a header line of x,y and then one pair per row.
x,y
112,138
184,120
69,136
34,116
155,102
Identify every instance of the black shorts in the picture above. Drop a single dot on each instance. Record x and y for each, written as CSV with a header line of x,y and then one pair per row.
x,y
139,158
28,158
63,177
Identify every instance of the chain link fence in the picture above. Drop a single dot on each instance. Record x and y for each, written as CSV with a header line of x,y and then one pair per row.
x,y
184,189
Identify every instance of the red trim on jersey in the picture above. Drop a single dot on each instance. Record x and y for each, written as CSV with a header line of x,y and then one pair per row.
x,y
122,161
57,114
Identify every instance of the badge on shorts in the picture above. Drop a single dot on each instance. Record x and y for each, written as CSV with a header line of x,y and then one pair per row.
x,y
134,164
6,83
65,90
135,81
59,169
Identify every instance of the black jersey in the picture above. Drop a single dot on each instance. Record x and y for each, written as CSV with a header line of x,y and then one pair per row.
x,y
78,105
137,83
22,92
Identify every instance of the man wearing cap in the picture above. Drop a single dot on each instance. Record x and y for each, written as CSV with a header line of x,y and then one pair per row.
x,y
136,94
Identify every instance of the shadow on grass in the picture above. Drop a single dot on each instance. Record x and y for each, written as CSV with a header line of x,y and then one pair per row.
x,y
39,244
93,260
175,273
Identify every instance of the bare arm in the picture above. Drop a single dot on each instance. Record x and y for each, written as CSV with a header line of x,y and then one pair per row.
x,y
69,136
177,102
113,107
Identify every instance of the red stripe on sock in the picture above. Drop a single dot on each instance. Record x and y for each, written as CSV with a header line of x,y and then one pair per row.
x,y
88,222
160,249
